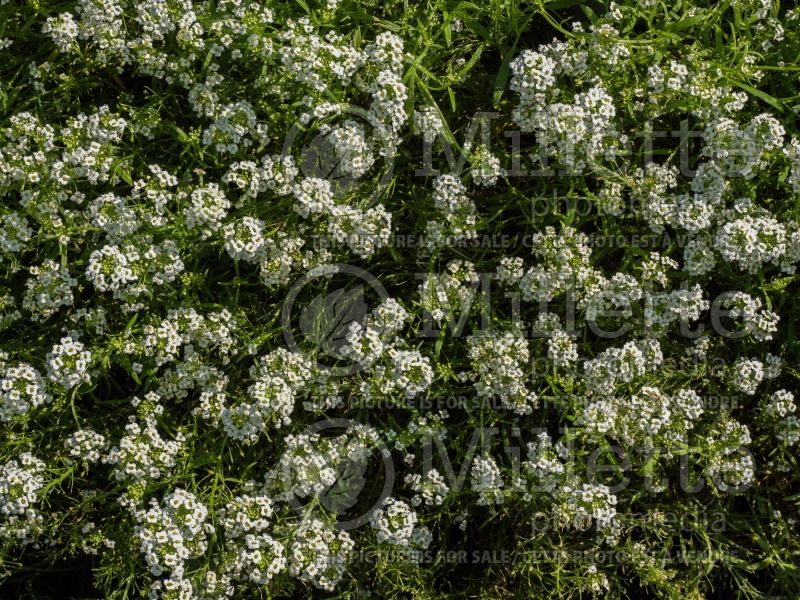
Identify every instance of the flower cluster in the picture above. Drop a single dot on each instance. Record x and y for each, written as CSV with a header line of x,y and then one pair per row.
x,y
455,212
318,554
142,454
85,445
430,488
21,389
68,363
173,532
487,481
270,400
254,254
584,505
396,523
499,361
257,556
445,295
21,478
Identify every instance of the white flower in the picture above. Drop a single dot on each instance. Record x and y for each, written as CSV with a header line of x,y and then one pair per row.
x,y
172,533
68,363
314,197
751,242
430,488
49,289
394,523
85,444
21,389
142,454
500,361
318,554
747,374
781,404
486,167
411,371
208,207
63,29
585,504
561,349
486,481
21,479
428,123
244,239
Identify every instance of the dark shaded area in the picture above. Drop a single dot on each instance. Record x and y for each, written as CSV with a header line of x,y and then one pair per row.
x,y
64,581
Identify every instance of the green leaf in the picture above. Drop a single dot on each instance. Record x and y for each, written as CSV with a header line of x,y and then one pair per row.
x,y
779,284
774,102
560,4
686,23
326,320
471,62
502,75
590,14
344,492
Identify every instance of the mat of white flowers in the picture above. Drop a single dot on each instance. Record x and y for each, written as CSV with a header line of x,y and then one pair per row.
x,y
359,299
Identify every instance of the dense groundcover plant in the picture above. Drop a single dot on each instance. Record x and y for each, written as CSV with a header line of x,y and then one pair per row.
x,y
399,299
